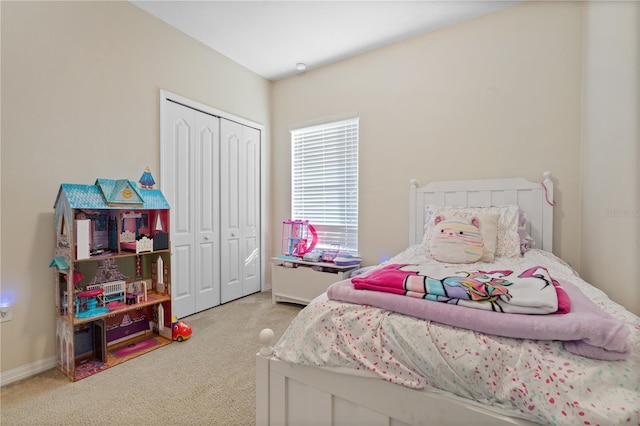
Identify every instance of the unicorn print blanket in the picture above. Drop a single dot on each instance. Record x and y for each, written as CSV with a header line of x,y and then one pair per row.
x,y
529,291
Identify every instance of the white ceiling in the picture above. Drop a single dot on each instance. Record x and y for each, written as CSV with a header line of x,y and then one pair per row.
x,y
271,37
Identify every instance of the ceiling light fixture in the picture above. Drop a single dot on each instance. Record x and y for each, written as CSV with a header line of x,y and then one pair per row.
x,y
301,66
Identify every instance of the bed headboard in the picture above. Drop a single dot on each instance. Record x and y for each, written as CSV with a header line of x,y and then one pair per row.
x,y
532,197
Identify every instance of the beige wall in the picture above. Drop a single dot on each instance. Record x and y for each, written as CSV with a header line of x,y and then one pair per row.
x,y
611,200
498,96
80,100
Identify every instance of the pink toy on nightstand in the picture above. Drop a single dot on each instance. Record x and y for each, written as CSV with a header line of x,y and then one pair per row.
x,y
295,237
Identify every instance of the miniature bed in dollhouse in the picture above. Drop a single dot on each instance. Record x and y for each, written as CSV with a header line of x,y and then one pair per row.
x,y
379,357
136,235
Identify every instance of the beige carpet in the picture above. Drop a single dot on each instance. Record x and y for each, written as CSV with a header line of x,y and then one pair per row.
x,y
207,380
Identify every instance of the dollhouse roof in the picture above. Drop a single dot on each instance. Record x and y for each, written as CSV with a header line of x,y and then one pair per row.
x,y
107,194
114,191
60,263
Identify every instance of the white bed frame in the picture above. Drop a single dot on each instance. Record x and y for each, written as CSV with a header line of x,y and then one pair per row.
x,y
288,394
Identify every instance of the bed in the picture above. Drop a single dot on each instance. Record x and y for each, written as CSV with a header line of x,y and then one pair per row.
x,y
363,357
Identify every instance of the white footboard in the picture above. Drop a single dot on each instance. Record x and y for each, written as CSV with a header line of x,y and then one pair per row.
x,y
288,394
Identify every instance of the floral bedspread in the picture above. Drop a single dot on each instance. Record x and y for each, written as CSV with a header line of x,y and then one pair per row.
x,y
534,379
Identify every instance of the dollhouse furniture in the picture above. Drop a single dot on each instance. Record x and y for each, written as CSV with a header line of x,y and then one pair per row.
x,y
144,244
138,290
111,292
93,319
88,299
129,241
135,232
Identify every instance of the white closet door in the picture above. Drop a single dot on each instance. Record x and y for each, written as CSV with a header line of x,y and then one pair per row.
x,y
177,182
251,215
191,185
207,211
240,212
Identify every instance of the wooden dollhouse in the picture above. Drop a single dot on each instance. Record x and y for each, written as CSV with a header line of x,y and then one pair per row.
x,y
107,236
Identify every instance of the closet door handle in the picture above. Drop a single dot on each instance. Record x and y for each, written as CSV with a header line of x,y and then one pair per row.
x,y
206,238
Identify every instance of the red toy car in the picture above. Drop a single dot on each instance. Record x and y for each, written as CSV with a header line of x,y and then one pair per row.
x,y
180,331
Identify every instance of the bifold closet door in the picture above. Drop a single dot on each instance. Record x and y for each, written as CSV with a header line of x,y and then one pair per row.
x,y
240,210
191,184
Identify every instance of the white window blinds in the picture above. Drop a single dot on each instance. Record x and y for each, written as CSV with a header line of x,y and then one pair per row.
x,y
325,182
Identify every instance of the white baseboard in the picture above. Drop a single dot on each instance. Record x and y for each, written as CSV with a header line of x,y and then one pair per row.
x,y
27,370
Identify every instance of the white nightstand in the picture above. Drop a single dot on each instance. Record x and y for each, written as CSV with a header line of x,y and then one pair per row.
x,y
302,283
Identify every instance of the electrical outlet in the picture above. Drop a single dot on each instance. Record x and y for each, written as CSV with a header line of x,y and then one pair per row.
x,y
5,313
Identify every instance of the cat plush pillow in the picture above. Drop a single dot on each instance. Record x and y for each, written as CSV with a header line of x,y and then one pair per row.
x,y
457,240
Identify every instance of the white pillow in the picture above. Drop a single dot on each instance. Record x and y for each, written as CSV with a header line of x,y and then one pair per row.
x,y
507,239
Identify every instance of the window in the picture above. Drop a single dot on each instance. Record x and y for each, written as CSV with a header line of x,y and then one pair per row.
x,y
324,182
